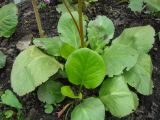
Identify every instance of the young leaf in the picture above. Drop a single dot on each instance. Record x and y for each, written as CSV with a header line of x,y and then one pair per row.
x,y
117,97
153,5
48,108
51,45
8,113
61,8
50,92
90,109
140,75
118,57
136,36
85,67
100,31
66,50
67,91
68,31
2,60
30,69
8,98
9,20
136,5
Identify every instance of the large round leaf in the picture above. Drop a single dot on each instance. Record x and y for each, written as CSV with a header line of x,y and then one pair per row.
x,y
30,69
68,30
117,97
85,67
8,19
90,109
118,57
140,75
50,92
100,31
141,38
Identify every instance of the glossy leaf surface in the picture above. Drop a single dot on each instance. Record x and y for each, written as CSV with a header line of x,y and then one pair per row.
x,y
85,67
67,91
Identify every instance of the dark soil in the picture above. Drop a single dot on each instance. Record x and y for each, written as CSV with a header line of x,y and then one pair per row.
x,y
149,108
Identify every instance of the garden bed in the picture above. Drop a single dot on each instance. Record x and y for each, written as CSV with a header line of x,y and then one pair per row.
x,y
149,107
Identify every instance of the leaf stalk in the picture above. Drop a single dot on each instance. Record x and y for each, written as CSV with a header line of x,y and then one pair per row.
x,y
38,19
80,8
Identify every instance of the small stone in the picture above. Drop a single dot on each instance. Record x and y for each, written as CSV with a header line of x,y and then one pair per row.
x,y
24,42
10,51
155,49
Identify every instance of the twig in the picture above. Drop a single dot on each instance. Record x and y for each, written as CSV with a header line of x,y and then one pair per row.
x,y
59,114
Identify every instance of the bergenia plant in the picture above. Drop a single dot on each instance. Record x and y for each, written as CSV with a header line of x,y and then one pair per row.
x,y
83,56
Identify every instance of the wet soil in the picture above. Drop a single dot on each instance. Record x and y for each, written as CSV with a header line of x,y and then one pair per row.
x,y
149,107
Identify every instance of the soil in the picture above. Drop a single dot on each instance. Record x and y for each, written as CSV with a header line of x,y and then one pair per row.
x,y
149,107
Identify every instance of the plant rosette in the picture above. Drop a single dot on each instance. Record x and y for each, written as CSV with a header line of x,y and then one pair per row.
x,y
111,67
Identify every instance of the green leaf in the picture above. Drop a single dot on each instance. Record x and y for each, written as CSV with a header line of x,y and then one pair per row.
x,y
66,50
50,92
2,60
135,37
9,20
67,91
8,98
90,109
119,57
50,45
8,113
140,75
136,5
100,31
48,108
62,9
68,31
117,97
159,35
30,69
153,5
85,67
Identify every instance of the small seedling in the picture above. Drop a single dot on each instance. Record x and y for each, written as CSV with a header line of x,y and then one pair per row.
x,y
9,99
